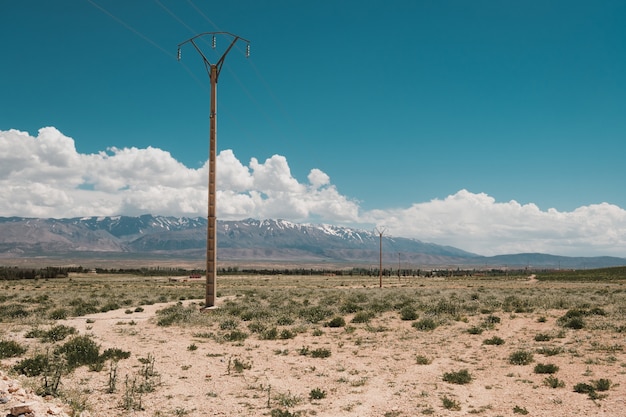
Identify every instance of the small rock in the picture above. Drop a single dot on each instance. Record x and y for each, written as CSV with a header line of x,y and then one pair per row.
x,y
22,409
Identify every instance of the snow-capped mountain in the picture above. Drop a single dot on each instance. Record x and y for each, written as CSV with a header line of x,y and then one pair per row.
x,y
244,240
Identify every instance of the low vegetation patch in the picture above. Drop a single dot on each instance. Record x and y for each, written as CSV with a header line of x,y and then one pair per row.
x,y
521,357
460,377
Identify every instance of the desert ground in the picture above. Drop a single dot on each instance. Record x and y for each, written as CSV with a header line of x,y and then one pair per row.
x,y
322,346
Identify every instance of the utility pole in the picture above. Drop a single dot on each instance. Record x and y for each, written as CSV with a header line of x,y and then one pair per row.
x,y
214,71
380,231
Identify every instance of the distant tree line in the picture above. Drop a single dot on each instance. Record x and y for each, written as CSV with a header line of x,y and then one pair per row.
x,y
16,273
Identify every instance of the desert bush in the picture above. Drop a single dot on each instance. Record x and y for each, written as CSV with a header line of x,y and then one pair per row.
x,y
601,384
450,404
269,334
490,320
239,365
475,330
317,394
59,314
542,337
336,321
174,314
57,333
80,350
114,354
229,324
362,317
494,340
425,324
547,368
287,334
550,351
573,319
521,357
314,314
109,306
520,410
13,311
320,353
34,366
235,336
553,382
422,360
11,349
408,313
461,377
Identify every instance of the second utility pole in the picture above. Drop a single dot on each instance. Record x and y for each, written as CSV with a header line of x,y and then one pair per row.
x,y
211,246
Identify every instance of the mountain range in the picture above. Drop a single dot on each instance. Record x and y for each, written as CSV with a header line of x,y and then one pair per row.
x,y
249,240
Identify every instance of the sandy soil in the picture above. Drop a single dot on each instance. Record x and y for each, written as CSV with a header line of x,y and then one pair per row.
x,y
370,373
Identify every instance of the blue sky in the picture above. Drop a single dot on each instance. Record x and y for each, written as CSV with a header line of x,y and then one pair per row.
x,y
376,109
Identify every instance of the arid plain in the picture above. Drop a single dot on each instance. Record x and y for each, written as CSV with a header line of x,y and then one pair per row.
x,y
318,345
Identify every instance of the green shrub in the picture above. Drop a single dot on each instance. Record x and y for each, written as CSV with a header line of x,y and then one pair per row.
x,y
34,366
59,314
57,333
422,360
286,334
550,351
270,334
229,324
320,353
601,384
547,368
114,354
235,336
408,313
461,377
362,317
520,410
475,330
336,321
174,314
495,340
553,382
425,324
10,349
541,337
314,314
491,319
317,394
450,404
520,357
583,388
573,319
80,350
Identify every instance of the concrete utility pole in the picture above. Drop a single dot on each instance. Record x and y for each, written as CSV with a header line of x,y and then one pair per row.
x,y
214,71
380,231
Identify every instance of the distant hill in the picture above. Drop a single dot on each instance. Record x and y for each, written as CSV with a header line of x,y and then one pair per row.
x,y
247,240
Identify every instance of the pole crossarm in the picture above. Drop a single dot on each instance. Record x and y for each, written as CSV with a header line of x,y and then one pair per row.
x,y
220,62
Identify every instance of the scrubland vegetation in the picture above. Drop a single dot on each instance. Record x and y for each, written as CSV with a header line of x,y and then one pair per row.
x,y
448,343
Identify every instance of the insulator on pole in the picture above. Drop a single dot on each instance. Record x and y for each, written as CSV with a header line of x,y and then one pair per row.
x,y
213,43
248,51
178,54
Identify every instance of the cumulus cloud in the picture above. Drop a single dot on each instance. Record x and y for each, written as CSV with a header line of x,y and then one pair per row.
x,y
44,176
477,223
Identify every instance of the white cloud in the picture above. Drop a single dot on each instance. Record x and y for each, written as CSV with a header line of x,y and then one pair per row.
x,y
477,223
44,176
